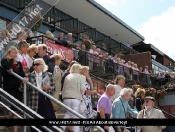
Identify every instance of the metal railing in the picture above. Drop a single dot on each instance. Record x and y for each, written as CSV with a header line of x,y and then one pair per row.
x,y
51,98
25,109
4,105
170,115
104,67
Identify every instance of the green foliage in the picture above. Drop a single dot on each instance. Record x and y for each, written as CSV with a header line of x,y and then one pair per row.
x,y
35,23
88,43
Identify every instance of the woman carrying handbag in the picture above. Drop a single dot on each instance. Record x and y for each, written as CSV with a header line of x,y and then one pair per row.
x,y
73,88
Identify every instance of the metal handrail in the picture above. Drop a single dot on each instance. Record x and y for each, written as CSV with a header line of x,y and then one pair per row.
x,y
114,64
165,112
53,99
17,115
26,107
109,82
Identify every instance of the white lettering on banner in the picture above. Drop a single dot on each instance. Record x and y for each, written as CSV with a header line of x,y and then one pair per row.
x,y
67,53
56,51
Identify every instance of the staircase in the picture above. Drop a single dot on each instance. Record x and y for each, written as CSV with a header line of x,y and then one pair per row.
x,y
99,78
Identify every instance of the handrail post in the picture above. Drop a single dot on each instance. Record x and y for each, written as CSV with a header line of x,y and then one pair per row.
x,y
25,102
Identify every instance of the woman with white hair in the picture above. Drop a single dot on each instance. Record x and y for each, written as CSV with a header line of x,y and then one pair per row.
x,y
120,107
37,101
73,90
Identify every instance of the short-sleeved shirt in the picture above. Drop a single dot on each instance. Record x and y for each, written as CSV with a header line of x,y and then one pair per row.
x,y
105,102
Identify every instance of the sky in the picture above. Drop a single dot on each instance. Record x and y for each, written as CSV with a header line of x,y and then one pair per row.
x,y
153,19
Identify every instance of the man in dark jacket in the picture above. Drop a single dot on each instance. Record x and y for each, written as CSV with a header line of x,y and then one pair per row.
x,y
42,53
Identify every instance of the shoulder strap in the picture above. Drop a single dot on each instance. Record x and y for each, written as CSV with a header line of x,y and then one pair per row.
x,y
143,113
123,107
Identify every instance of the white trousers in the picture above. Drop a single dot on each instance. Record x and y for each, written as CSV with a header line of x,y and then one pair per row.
x,y
74,105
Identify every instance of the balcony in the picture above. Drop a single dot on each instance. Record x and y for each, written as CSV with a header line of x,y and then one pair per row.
x,y
102,67
61,21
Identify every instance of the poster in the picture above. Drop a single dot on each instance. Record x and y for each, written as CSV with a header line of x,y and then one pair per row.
x,y
67,53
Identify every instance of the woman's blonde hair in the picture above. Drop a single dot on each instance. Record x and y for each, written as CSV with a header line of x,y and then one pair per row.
x,y
45,67
75,68
58,57
32,47
139,92
22,44
84,69
12,48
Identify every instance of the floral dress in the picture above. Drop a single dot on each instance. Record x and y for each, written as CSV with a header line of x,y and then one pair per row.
x,y
88,112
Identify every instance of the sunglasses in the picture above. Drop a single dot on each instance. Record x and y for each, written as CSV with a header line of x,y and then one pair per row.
x,y
37,64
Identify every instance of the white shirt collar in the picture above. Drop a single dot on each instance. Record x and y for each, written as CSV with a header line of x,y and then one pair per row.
x,y
57,67
38,74
148,112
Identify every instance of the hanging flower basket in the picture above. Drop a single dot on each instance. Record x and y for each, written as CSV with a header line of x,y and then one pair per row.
x,y
88,43
35,23
150,92
120,55
168,87
161,93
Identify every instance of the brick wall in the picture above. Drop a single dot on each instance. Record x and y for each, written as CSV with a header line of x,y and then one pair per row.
x,y
159,59
142,59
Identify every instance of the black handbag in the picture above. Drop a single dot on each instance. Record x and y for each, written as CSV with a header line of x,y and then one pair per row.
x,y
60,97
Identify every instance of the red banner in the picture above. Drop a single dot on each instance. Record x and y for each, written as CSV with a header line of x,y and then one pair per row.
x,y
67,53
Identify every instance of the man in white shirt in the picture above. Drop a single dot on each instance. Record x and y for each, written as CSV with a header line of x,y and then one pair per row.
x,y
161,78
92,57
150,113
120,81
146,70
38,41
127,70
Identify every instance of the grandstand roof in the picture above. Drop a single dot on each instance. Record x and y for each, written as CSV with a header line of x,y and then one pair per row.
x,y
148,47
96,16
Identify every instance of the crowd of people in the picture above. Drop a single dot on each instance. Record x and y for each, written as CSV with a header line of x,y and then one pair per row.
x,y
142,107
99,60
31,62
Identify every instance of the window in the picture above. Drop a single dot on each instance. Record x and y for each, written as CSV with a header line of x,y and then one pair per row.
x,y
156,68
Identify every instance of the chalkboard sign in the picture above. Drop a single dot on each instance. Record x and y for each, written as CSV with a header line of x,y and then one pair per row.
x,y
2,25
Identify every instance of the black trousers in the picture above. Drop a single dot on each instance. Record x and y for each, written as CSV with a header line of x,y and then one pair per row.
x,y
45,109
116,129
107,116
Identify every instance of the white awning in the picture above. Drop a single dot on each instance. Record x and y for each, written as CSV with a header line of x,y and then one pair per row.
x,y
95,16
